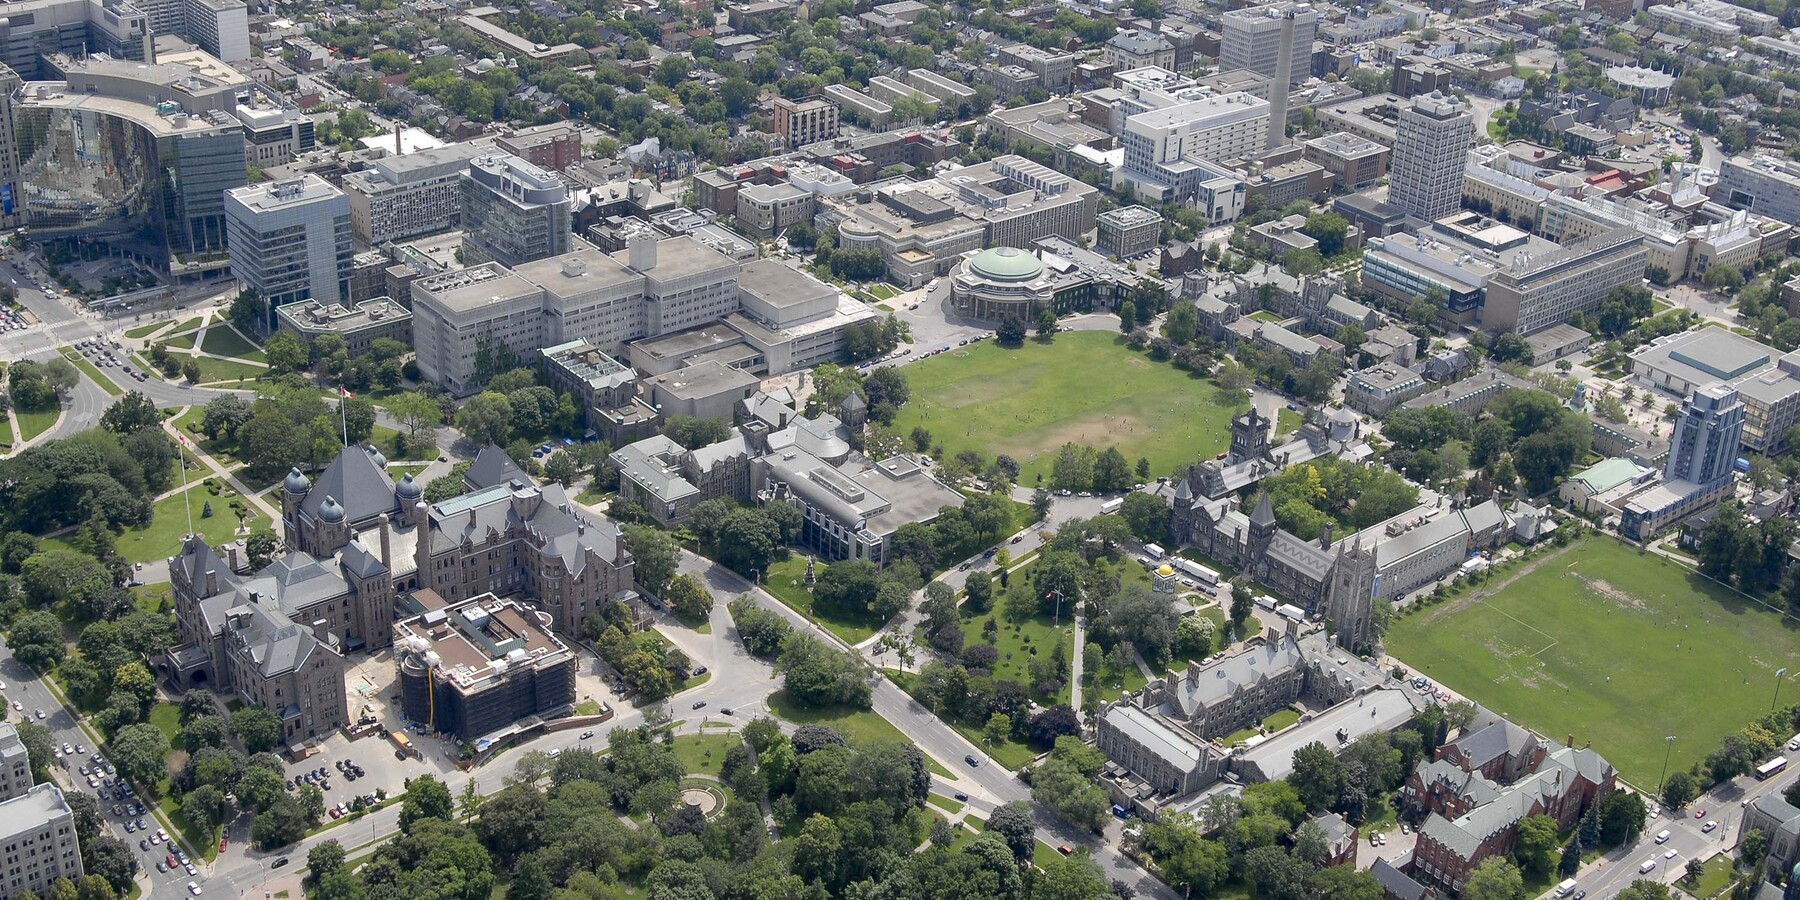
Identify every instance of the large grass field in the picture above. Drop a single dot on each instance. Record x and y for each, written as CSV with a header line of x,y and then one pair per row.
x,y
1085,387
1610,645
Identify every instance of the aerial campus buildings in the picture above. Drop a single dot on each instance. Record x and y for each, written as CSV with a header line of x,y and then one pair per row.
x,y
356,542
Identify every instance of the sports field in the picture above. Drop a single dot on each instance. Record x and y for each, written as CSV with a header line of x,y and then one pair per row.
x,y
1611,646
1086,387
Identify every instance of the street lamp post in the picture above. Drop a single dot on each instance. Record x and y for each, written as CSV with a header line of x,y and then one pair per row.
x,y
1779,675
1665,769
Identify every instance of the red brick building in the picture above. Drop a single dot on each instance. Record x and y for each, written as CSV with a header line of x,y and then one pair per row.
x,y
1469,816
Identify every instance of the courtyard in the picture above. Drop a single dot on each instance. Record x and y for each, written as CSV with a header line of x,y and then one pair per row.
x,y
1610,645
1085,387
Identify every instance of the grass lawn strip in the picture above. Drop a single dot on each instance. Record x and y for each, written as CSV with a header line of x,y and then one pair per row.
x,y
216,370
1585,640
32,424
1027,401
224,340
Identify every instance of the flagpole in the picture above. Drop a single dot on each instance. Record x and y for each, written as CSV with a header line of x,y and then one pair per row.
x,y
181,463
343,415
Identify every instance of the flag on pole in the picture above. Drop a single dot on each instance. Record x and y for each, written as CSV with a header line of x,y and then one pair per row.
x,y
342,392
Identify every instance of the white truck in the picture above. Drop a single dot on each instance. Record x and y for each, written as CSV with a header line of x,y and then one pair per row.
x,y
1112,506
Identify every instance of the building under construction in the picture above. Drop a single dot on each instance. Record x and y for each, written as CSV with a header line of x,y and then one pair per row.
x,y
475,669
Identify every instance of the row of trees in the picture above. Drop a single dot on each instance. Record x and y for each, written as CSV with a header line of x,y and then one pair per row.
x,y
957,533
108,474
852,815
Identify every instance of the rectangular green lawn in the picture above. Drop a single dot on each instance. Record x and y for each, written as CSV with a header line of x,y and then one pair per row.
x,y
704,754
1610,645
168,522
32,424
1085,387
225,341
212,370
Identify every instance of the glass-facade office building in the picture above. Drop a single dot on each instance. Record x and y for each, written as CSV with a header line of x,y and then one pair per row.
x,y
144,181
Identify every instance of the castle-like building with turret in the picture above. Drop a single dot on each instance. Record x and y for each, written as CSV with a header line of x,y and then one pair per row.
x,y
354,540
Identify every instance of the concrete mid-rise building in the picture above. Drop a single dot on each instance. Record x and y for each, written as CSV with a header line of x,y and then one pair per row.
x,y
274,131
1054,70
412,194
39,840
38,30
290,242
1128,231
1354,162
1133,48
1764,184
1432,139
513,212
802,122
1171,151
1250,39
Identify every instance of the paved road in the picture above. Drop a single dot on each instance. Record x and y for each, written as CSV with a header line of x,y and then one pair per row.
x,y
1688,838
23,687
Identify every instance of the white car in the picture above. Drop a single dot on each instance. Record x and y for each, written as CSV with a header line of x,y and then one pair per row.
x,y
1669,855
18,707
1709,826
193,888
190,869
68,749
40,713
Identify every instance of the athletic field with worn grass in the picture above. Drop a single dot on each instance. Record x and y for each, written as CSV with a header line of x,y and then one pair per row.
x,y
1610,645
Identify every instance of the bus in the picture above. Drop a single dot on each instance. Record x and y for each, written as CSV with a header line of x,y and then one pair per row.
x,y
1771,767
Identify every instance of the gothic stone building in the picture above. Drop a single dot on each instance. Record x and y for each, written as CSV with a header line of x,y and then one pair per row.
x,y
510,537
277,637
1337,582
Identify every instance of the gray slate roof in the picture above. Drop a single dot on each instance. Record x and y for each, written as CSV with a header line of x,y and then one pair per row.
x,y
356,482
493,467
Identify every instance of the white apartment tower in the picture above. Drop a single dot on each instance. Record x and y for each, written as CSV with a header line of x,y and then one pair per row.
x,y
289,241
1431,145
1251,39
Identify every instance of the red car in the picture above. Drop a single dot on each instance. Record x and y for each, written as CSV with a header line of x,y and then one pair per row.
x,y
222,843
1699,813
170,859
